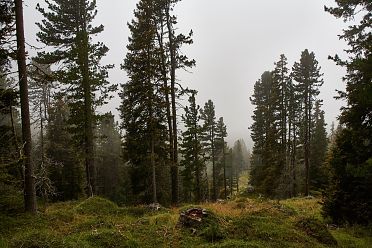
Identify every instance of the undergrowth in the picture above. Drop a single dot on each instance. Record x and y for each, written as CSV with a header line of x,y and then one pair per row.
x,y
243,222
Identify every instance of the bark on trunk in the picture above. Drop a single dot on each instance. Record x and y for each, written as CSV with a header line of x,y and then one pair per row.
x,y
29,180
173,66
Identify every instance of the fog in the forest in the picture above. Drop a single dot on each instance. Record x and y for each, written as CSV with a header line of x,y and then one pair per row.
x,y
234,42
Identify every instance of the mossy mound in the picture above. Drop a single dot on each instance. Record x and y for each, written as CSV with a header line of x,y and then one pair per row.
x,y
110,238
97,206
316,229
209,227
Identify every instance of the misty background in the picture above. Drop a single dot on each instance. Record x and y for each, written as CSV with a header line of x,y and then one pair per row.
x,y
234,43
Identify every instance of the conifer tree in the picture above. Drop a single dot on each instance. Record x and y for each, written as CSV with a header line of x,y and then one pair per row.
x,y
193,161
281,84
7,20
65,169
308,77
220,144
348,197
264,132
319,144
142,109
29,181
176,60
68,29
208,116
11,169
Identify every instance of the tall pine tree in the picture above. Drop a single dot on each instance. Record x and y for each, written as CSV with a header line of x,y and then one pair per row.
x,y
143,110
68,29
307,74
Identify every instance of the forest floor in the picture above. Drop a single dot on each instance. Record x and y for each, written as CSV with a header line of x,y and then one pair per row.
x,y
242,222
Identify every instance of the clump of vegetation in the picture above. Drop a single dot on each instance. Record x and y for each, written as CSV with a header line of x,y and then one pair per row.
x,y
108,238
38,239
96,206
314,228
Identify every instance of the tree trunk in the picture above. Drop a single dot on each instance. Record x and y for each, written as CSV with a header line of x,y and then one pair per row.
x,y
197,166
214,195
166,93
173,66
307,141
87,108
224,169
154,194
29,180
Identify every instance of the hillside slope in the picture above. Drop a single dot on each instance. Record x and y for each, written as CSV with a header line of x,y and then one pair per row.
x,y
244,222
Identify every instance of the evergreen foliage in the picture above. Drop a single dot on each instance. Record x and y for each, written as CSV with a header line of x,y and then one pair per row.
x,y
65,167
68,29
348,197
221,148
308,77
318,149
208,116
287,121
7,20
142,110
193,161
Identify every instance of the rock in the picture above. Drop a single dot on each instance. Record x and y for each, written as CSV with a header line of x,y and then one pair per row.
x,y
154,206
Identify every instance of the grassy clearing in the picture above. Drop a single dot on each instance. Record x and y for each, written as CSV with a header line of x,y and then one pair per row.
x,y
243,222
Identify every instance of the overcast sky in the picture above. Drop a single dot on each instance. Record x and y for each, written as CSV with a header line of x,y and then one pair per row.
x,y
235,41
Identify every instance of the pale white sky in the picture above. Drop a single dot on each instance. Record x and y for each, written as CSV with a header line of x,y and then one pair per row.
x,y
235,41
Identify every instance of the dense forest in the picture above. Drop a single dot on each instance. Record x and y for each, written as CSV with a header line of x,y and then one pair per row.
x,y
164,148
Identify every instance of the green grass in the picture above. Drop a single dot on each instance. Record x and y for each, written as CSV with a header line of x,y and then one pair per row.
x,y
97,222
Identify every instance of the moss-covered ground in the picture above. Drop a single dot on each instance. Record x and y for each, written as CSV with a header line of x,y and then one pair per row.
x,y
242,222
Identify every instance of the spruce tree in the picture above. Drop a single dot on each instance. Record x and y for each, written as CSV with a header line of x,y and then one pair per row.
x,y
348,197
67,28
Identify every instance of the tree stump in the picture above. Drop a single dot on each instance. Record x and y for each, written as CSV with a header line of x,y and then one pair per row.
x,y
193,217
